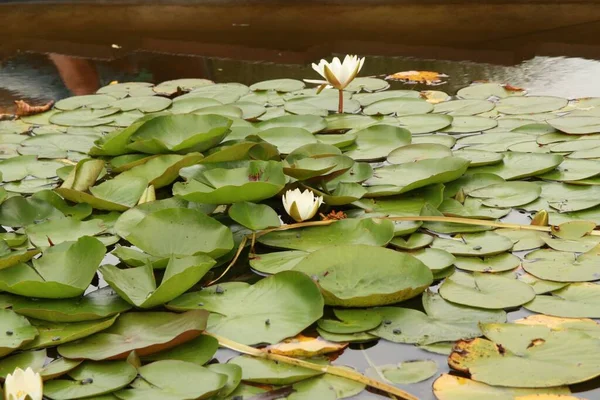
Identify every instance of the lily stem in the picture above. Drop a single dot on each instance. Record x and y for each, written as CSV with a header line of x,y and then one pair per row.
x,y
423,218
341,102
233,261
328,369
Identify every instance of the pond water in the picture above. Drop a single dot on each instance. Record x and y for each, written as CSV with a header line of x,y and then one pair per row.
x,y
43,75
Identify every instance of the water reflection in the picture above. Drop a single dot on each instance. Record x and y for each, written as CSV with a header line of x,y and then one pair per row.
x,y
40,78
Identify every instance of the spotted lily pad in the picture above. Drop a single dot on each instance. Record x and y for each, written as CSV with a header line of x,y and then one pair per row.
x,y
561,357
444,321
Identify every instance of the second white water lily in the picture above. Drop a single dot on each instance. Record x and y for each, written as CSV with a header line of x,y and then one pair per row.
x,y
21,384
337,74
301,205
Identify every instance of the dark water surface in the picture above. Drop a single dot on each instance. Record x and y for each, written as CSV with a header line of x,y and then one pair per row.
x,y
51,51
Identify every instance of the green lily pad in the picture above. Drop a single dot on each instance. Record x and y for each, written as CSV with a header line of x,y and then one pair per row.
x,y
56,231
138,286
287,139
198,351
444,321
578,300
56,333
463,107
272,263
348,231
562,266
172,379
376,141
98,304
471,208
180,232
317,168
276,307
485,290
17,168
469,124
58,367
146,333
257,181
365,276
85,117
179,133
424,123
269,372
523,240
171,87
560,357
351,321
33,359
576,125
405,372
478,157
521,165
366,99
530,104
417,152
311,123
18,211
396,179
64,270
474,244
485,90
127,89
97,101
254,216
415,241
435,259
91,379
398,106
17,332
326,387
507,194
499,263
278,85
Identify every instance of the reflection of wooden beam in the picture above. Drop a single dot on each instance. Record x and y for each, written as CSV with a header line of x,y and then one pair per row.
x,y
499,31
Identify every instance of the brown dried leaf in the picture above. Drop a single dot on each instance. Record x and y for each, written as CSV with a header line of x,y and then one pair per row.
x,y
333,215
305,346
426,77
23,108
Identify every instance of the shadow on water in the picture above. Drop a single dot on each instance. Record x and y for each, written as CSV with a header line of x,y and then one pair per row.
x,y
62,48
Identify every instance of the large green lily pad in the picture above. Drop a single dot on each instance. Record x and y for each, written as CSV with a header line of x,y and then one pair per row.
x,y
138,285
374,232
91,379
485,290
17,332
144,332
443,321
181,232
365,276
98,304
64,270
256,181
528,356
267,312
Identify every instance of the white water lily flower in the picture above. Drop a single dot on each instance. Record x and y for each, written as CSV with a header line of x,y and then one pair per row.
x,y
301,205
21,384
337,74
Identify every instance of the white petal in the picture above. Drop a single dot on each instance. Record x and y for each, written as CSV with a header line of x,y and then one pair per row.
x,y
317,81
